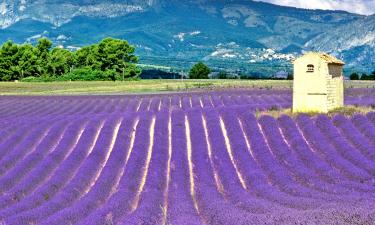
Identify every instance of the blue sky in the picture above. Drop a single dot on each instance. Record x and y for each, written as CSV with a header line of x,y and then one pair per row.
x,y
365,7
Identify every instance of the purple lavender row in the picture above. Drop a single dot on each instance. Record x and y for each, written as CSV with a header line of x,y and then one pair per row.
x,y
99,106
185,102
13,180
28,144
254,103
323,170
9,143
175,102
64,173
133,104
212,204
9,112
41,108
14,112
351,133
106,106
286,157
152,200
195,101
298,144
106,183
89,107
165,103
111,107
122,104
216,101
235,192
345,149
31,108
371,117
8,132
120,202
7,104
326,151
206,101
56,108
92,106
154,105
305,153
326,173
181,208
365,126
227,101
144,104
50,109
262,153
80,183
236,99
43,170
21,166
246,99
254,174
74,108
242,99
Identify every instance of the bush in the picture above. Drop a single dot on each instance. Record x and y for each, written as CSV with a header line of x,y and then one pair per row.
x,y
199,71
39,79
223,75
368,77
244,77
354,76
87,74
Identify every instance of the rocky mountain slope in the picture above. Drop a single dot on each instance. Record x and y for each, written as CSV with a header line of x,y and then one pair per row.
x,y
242,34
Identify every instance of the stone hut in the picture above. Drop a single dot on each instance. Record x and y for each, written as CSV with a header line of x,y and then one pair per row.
x,y
318,83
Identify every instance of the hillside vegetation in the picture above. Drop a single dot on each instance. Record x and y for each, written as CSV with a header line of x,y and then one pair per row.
x,y
249,36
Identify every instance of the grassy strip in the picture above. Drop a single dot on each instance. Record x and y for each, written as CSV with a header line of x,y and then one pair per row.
x,y
346,111
145,86
129,87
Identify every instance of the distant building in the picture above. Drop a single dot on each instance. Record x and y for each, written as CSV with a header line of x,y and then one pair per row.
x,y
318,83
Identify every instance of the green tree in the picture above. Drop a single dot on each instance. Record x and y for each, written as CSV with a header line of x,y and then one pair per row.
x,y
223,75
42,51
109,55
199,71
28,62
9,55
290,76
364,77
354,76
372,76
116,55
111,59
60,62
84,57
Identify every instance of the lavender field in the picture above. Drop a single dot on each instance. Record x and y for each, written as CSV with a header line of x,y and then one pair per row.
x,y
188,158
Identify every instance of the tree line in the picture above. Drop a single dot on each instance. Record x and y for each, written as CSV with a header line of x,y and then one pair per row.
x,y
110,59
363,76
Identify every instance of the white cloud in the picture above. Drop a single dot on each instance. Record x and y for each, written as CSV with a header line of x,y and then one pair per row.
x,y
365,7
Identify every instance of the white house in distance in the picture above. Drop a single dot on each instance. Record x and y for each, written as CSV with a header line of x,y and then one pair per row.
x,y
318,83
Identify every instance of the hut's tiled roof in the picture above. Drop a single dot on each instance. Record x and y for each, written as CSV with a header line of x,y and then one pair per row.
x,y
324,56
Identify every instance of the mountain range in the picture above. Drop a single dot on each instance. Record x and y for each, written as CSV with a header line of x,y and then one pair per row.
x,y
236,35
